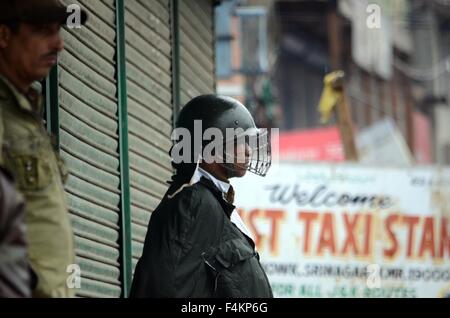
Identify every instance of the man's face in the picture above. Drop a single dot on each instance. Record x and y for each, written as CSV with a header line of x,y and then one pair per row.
x,y
242,153
32,50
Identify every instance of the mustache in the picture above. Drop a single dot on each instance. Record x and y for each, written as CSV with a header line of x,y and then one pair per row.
x,y
53,54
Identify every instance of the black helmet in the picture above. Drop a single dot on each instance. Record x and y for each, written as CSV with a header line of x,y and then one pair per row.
x,y
233,120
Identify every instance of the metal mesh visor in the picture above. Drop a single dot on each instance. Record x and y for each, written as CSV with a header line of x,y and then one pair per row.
x,y
257,156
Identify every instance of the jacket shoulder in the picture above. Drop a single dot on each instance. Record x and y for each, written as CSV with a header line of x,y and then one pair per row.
x,y
195,207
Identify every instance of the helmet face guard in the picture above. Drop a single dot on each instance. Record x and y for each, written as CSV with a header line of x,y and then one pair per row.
x,y
261,158
250,151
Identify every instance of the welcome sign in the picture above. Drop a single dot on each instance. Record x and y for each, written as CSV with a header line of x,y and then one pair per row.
x,y
350,231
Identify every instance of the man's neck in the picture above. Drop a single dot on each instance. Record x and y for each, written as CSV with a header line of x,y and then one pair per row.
x,y
215,171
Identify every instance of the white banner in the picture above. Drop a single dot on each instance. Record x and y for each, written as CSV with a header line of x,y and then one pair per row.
x,y
350,231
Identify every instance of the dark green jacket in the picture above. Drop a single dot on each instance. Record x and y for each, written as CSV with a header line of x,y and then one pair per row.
x,y
192,249
27,152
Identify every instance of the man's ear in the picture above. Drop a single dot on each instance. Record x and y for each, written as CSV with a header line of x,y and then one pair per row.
x,y
5,35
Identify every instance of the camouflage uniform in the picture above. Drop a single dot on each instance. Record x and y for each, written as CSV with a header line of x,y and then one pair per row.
x,y
28,153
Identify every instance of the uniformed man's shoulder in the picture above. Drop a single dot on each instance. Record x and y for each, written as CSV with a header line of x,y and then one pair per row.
x,y
5,92
6,98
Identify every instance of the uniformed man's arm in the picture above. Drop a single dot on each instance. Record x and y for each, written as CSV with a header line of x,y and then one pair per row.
x,y
15,280
1,137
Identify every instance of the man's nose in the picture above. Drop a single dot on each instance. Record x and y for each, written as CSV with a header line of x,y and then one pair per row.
x,y
59,43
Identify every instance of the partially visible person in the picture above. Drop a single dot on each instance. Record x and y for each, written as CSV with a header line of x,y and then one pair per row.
x,y
30,41
15,278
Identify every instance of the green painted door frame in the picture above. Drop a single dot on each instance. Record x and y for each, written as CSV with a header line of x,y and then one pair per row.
x,y
52,105
125,217
175,17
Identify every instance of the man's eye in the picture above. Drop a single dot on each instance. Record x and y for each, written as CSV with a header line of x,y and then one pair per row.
x,y
45,29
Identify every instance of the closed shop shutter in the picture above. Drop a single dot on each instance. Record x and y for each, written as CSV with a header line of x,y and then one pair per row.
x,y
89,144
196,21
149,80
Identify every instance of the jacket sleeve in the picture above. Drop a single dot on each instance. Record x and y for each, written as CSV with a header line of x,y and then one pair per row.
x,y
166,266
202,228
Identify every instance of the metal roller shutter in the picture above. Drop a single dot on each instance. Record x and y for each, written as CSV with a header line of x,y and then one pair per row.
x,y
196,48
89,143
149,80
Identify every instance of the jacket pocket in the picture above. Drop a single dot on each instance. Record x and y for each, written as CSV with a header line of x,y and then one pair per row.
x,y
32,171
229,265
30,165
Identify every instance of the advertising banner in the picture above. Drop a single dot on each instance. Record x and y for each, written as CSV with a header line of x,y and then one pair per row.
x,y
335,230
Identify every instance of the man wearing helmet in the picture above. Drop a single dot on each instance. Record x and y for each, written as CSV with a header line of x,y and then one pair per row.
x,y
196,244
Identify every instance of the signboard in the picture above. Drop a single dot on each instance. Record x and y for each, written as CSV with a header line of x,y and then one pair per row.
x,y
350,231
383,144
323,144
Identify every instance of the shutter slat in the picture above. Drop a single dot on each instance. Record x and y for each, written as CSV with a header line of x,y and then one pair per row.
x,y
86,152
137,248
149,67
151,185
139,112
143,97
103,272
139,77
88,75
91,210
200,68
159,11
97,251
140,216
139,232
88,114
150,111
89,141
148,18
191,9
89,56
82,168
143,31
187,75
196,49
96,289
85,93
202,36
99,233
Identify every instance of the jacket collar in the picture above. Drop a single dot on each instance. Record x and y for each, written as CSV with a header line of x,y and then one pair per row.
x,y
227,207
32,102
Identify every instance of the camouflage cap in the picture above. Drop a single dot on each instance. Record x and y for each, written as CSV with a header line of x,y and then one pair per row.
x,y
36,11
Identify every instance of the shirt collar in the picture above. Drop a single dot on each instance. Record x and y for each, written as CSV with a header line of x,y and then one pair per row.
x,y
199,173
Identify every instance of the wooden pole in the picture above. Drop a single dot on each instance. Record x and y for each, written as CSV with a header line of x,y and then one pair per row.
x,y
346,128
342,108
